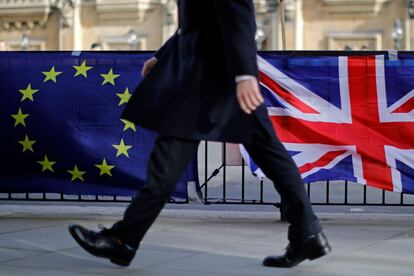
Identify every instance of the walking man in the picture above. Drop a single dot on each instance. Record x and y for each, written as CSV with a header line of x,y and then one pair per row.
x,y
202,85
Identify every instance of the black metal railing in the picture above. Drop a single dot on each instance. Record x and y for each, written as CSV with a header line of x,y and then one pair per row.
x,y
340,193
216,190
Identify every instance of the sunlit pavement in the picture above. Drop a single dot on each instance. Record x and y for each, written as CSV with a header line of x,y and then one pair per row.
x,y
34,241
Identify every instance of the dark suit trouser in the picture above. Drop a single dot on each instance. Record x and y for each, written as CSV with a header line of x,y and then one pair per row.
x,y
172,155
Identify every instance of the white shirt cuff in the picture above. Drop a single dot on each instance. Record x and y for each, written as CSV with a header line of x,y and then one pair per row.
x,y
244,77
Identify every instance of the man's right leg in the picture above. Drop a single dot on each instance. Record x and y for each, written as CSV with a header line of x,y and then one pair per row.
x,y
306,240
168,160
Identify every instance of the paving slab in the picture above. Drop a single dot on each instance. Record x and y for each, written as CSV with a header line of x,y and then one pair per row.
x,y
193,242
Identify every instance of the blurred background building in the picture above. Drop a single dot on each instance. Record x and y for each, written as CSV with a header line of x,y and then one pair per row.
x,y
146,24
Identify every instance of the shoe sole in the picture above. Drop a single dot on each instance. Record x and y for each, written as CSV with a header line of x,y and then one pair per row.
x,y
119,262
87,249
313,256
320,253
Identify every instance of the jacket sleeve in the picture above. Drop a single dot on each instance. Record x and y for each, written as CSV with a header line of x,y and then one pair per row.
x,y
238,27
166,45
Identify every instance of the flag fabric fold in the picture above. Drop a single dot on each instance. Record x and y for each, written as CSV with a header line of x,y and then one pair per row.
x,y
344,117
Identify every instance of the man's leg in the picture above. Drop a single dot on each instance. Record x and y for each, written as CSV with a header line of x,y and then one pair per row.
x,y
271,156
305,236
168,160
119,244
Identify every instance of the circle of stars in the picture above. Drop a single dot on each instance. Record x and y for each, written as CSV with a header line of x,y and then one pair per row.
x,y
46,165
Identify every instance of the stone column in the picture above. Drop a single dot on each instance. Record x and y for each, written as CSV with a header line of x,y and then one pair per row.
x,y
170,19
64,9
77,26
409,27
279,30
299,26
274,35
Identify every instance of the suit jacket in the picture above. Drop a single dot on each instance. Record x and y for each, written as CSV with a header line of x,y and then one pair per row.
x,y
191,91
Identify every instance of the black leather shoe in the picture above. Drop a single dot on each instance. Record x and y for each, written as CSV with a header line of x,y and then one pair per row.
x,y
312,248
103,244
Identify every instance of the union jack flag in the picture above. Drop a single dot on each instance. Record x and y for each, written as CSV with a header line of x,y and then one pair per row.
x,y
344,118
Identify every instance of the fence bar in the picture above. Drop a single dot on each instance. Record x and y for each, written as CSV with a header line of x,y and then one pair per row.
x,y
327,192
365,194
224,173
206,172
346,192
242,184
261,191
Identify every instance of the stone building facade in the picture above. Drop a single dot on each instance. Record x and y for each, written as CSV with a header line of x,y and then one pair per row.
x,y
146,24
352,24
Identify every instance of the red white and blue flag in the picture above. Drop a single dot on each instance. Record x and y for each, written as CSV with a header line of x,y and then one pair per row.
x,y
344,118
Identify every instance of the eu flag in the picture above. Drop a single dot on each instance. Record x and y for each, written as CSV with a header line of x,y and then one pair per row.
x,y
60,125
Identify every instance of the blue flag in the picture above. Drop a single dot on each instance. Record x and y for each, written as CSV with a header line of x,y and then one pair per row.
x,y
60,125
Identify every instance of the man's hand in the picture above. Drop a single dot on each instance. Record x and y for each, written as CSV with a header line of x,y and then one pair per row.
x,y
248,95
148,65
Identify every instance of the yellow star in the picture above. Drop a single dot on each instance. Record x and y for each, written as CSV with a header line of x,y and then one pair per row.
x,y
82,69
129,125
76,174
124,97
19,118
28,93
122,148
109,77
27,144
105,168
51,75
46,164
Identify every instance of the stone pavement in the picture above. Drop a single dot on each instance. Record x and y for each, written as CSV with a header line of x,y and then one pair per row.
x,y
34,241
